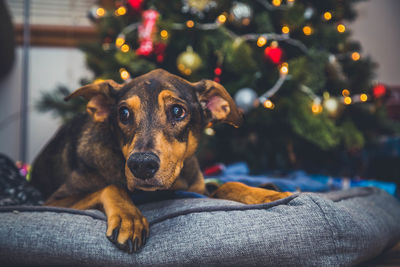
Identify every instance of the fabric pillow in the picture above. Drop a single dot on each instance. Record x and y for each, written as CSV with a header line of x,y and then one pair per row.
x,y
340,228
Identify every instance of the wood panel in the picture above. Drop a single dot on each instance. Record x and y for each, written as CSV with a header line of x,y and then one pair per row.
x,y
60,36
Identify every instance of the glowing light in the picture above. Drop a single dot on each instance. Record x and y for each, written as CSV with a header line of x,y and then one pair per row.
x,y
345,92
222,18
100,12
379,90
285,29
125,48
347,100
284,68
261,41
209,131
119,41
187,71
355,56
316,107
181,67
327,15
307,30
363,97
290,1
218,71
341,28
268,104
276,2
164,34
121,11
124,74
190,23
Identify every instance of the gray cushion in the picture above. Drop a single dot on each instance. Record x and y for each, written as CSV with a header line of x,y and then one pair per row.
x,y
342,228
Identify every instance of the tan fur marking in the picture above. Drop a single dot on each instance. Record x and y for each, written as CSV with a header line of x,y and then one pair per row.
x,y
246,194
171,157
162,98
192,144
98,108
134,102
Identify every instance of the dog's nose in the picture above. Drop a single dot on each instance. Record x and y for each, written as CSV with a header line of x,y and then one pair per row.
x,y
143,165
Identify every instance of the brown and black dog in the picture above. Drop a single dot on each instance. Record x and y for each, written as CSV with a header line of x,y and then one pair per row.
x,y
140,135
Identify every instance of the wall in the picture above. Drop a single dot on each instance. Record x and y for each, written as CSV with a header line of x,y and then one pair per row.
x,y
48,67
378,29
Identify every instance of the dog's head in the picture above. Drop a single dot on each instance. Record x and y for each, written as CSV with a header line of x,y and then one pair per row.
x,y
158,119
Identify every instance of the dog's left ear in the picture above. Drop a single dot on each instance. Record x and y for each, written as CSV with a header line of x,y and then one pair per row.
x,y
99,96
217,103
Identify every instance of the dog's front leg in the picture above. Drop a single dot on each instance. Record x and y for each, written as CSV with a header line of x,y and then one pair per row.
x,y
126,226
246,194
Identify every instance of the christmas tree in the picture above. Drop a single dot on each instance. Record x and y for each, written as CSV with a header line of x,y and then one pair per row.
x,y
302,83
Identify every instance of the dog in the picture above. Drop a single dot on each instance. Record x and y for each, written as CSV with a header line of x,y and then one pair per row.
x,y
141,135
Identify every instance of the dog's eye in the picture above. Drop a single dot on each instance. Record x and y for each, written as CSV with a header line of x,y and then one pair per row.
x,y
124,115
178,112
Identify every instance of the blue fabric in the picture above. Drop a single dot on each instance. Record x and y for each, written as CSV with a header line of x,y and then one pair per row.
x,y
296,181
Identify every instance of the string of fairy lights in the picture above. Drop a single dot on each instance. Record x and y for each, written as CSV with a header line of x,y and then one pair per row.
x,y
326,101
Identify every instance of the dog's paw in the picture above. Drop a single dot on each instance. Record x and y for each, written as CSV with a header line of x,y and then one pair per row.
x,y
246,194
129,231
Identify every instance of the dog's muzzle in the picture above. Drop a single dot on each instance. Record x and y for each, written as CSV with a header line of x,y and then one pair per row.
x,y
144,165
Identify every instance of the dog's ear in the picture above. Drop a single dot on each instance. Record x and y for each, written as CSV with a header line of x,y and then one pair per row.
x,y
217,103
99,96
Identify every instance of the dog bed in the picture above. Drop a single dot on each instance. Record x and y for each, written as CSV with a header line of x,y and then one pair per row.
x,y
337,228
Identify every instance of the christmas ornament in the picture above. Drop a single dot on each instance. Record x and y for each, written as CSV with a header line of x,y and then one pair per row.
x,y
135,4
188,61
146,31
273,53
246,99
308,12
197,7
331,106
240,14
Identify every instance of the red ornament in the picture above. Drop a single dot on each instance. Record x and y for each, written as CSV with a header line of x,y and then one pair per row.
x,y
218,71
135,4
146,31
274,54
379,90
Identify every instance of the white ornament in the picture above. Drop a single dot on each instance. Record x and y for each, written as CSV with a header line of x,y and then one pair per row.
x,y
246,99
241,13
308,13
331,105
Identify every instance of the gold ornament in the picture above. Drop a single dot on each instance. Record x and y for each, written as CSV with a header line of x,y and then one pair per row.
x,y
188,61
198,7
